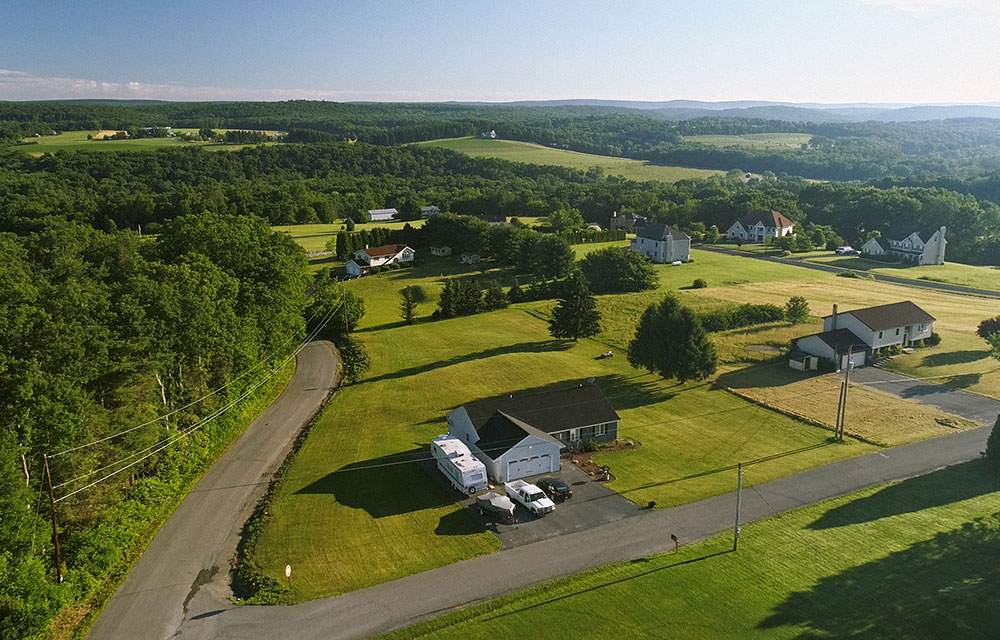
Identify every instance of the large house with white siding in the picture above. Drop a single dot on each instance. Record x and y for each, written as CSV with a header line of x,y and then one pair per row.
x,y
662,244
382,215
909,246
760,225
864,331
521,436
365,259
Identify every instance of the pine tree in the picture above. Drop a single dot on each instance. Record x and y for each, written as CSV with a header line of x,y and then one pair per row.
x,y
408,307
670,341
797,310
576,315
993,448
494,298
343,245
446,304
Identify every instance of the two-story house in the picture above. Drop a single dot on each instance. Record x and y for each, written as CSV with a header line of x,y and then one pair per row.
x,y
365,259
630,222
864,331
759,226
909,246
662,244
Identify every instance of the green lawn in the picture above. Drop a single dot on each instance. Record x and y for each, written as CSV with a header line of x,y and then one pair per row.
x,y
77,141
313,237
538,154
917,559
952,272
754,140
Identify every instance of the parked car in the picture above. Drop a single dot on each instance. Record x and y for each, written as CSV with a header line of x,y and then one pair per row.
x,y
555,488
845,251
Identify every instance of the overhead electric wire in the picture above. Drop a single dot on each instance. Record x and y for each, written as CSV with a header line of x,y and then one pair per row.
x,y
166,442
187,406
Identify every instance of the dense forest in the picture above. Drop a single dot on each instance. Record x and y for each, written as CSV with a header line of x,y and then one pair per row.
x,y
962,147
100,334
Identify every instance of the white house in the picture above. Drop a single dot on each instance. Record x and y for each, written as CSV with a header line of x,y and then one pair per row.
x,y
909,247
381,215
364,259
516,437
427,212
760,225
868,330
662,244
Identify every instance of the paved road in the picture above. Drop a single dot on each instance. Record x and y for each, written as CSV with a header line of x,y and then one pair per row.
x,y
426,595
954,401
186,566
815,266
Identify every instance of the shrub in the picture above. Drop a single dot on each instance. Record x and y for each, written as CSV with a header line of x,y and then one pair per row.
x,y
590,446
856,274
933,340
797,309
826,365
988,327
895,350
354,359
993,448
716,320
699,283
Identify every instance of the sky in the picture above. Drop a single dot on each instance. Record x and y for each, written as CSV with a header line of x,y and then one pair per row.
x,y
826,51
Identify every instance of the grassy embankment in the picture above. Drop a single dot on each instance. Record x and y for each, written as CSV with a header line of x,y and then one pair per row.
x,y
340,515
77,141
538,154
916,559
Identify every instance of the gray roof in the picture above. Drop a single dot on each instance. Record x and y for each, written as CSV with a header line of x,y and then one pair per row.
x,y
661,232
550,412
888,316
501,432
840,340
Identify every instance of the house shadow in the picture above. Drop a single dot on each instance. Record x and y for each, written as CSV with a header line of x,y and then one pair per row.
x,y
386,486
539,346
916,494
953,357
761,375
944,587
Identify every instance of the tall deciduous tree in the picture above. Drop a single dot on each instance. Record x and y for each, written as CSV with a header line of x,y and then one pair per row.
x,y
670,341
618,270
576,315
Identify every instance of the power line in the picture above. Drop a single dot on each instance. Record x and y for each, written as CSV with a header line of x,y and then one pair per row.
x,y
188,405
163,444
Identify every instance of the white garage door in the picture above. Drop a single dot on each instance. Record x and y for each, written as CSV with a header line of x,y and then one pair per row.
x,y
529,466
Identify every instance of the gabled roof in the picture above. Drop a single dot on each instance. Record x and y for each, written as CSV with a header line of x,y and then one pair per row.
x,y
881,242
549,412
430,209
385,250
888,316
375,212
660,232
767,218
840,340
502,432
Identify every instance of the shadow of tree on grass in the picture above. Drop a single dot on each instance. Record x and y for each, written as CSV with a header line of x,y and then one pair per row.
x,y
953,357
932,490
945,587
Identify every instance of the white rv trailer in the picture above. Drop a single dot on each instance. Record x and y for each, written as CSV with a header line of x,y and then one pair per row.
x,y
456,462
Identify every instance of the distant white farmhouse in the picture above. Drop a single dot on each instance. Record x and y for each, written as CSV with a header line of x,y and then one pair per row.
x,y
364,260
867,330
381,215
441,250
760,225
909,246
427,212
662,244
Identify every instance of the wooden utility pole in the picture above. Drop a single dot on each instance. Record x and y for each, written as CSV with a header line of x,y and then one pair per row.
x,y
739,499
847,386
52,508
24,465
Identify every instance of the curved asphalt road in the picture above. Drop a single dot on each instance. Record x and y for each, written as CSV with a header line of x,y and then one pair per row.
x,y
815,266
187,563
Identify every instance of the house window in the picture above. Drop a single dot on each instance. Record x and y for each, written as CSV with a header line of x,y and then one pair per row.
x,y
574,434
880,334
601,430
897,331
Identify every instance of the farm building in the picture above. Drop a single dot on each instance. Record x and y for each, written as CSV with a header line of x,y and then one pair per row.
x,y
427,212
516,437
469,258
441,251
630,222
364,260
662,244
866,331
909,246
381,215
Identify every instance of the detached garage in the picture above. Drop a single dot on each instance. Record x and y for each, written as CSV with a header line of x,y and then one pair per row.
x,y
518,437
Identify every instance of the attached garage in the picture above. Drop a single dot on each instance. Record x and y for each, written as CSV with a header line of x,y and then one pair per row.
x,y
532,466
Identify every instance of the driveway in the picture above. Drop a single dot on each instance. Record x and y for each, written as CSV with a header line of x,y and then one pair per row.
x,y
185,569
967,405
592,505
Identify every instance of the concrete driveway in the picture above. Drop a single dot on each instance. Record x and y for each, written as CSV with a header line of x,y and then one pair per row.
x,y
955,401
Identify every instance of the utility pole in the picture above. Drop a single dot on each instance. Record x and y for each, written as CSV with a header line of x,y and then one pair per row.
x,y
739,499
840,400
52,508
847,386
24,465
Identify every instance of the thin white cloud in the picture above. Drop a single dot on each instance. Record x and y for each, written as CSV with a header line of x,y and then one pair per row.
x,y
921,6
18,85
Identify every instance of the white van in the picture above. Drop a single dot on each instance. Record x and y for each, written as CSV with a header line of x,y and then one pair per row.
x,y
455,461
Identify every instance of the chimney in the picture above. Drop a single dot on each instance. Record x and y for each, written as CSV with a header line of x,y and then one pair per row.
x,y
834,318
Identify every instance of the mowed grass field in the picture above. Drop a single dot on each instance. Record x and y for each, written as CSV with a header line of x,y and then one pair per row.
x,y
77,141
754,140
538,154
916,559
966,275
